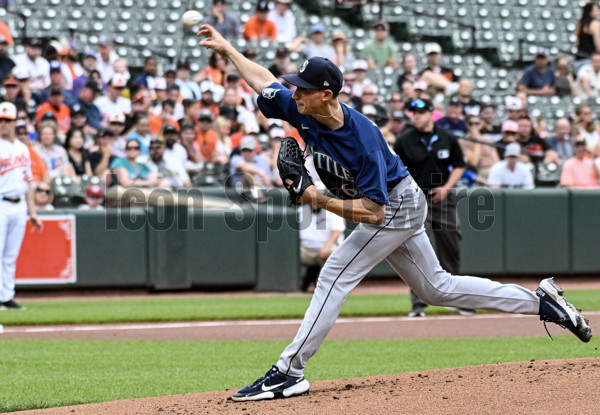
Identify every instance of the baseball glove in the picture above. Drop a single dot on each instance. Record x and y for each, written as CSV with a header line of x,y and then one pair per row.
x,y
290,163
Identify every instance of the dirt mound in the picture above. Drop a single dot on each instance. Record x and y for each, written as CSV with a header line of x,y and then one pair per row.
x,y
536,387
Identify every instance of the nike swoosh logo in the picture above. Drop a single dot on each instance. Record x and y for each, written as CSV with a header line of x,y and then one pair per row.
x,y
297,188
304,128
268,388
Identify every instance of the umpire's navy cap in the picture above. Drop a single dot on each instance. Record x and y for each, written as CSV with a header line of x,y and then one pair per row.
x,y
318,73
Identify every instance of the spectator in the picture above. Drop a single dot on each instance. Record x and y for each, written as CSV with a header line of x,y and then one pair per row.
x,y
94,198
206,138
13,93
37,68
259,27
71,68
188,135
248,168
160,94
587,33
86,98
343,54
4,29
396,103
148,76
105,58
216,70
57,80
514,108
222,127
464,97
410,72
6,63
453,121
39,171
88,64
57,107
102,157
360,67
187,87
43,197
114,102
141,133
168,171
580,172
380,51
479,152
54,156
283,64
370,98
588,129
116,124
320,234
487,116
539,78
534,149
79,165
174,149
208,91
130,173
561,142
588,78
440,78
398,123
510,172
565,82
225,22
284,20
509,135
79,120
314,47
160,121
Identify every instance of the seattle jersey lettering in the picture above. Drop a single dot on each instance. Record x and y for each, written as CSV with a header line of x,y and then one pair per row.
x,y
336,177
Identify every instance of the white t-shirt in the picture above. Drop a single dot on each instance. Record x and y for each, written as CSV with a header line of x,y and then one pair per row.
x,y
108,107
316,227
501,175
286,25
593,79
106,68
38,70
178,153
15,168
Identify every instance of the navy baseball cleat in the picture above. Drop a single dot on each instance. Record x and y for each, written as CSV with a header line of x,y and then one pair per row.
x,y
555,308
273,385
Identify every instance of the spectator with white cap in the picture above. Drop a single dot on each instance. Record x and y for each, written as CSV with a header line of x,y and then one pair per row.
x,y
114,101
439,77
510,172
37,67
105,57
248,168
116,123
370,101
360,68
94,198
514,108
510,129
380,51
159,86
285,21
316,46
210,95
539,78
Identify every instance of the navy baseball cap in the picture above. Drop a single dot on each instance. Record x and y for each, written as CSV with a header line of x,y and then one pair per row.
x,y
421,105
318,73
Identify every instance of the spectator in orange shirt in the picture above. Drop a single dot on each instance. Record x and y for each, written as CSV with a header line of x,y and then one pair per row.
x,y
258,27
206,137
56,106
5,31
39,170
158,122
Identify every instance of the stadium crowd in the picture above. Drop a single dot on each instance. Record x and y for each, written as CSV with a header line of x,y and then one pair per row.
x,y
82,113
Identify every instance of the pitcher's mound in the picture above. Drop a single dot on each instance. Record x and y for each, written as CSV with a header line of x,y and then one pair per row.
x,y
536,387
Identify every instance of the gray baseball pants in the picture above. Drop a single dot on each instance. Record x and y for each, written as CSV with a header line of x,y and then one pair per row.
x,y
402,241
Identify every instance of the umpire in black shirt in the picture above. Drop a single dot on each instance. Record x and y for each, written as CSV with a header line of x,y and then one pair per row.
x,y
435,160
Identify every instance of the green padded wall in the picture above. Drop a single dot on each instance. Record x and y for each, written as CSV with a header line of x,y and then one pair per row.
x,y
585,231
537,231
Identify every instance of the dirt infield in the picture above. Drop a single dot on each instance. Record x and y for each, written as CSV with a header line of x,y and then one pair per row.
x,y
537,387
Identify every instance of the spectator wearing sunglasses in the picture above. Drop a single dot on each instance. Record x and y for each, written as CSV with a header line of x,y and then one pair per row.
x,y
436,162
130,173
43,197
478,149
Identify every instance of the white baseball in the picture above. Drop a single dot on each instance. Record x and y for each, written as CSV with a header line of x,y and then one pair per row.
x,y
191,18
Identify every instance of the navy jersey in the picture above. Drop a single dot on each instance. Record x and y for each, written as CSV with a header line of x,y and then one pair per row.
x,y
353,161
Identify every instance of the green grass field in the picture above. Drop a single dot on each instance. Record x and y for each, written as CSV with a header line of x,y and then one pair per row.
x,y
49,373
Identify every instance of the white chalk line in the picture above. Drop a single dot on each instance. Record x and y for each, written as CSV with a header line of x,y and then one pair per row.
x,y
234,323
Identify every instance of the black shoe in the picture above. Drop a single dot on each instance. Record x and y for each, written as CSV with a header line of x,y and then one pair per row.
x,y
12,305
272,385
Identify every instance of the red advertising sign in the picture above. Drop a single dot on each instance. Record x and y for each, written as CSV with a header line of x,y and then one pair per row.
x,y
48,257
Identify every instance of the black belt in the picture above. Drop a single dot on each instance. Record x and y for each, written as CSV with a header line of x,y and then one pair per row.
x,y
11,199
